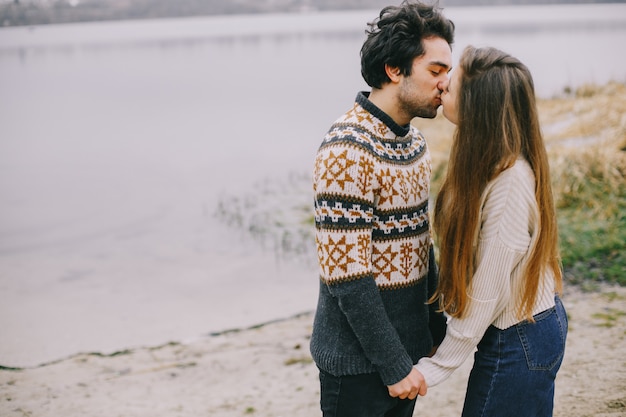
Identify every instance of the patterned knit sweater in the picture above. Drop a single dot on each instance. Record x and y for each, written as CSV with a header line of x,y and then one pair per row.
x,y
371,186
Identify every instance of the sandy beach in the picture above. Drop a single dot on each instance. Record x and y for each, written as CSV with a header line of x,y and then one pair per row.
x,y
267,371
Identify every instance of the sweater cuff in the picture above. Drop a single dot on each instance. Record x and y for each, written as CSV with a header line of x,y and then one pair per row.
x,y
396,371
431,373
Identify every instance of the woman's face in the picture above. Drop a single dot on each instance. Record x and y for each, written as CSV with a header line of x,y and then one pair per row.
x,y
449,97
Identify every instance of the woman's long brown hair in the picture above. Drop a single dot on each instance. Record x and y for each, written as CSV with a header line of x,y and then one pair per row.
x,y
497,123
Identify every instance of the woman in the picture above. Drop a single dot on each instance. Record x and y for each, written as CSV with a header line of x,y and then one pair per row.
x,y
495,223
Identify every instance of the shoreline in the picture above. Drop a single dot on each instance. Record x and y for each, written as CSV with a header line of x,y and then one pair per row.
x,y
130,350
266,370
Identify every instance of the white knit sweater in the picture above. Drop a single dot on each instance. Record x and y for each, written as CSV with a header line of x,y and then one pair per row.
x,y
509,220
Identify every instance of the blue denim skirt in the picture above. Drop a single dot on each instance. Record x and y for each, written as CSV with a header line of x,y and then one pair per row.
x,y
514,369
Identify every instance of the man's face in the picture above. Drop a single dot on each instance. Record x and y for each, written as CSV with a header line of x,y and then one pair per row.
x,y
420,92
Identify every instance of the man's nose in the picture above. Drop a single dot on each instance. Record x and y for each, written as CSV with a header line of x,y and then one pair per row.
x,y
443,84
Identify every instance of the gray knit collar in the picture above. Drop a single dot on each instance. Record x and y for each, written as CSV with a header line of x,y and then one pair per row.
x,y
362,98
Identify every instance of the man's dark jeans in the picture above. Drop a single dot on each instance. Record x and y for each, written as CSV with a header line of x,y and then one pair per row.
x,y
360,396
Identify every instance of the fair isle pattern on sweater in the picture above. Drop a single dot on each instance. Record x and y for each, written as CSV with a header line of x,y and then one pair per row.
x,y
371,189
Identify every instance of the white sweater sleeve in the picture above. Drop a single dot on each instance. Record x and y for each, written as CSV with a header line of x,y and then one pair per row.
x,y
503,241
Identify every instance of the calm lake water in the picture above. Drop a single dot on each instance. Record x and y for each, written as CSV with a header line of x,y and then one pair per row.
x,y
119,140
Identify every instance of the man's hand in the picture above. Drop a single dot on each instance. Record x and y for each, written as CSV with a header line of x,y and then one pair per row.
x,y
412,385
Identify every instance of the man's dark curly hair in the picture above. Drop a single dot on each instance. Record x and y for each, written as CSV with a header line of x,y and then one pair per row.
x,y
395,38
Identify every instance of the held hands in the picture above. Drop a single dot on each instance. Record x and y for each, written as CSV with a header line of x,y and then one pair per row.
x,y
412,385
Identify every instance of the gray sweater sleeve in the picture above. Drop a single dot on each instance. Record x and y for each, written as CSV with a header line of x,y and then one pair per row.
x,y
362,306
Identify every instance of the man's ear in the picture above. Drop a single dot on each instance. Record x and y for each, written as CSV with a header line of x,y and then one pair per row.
x,y
393,73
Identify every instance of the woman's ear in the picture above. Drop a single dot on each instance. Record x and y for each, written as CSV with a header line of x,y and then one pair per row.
x,y
393,73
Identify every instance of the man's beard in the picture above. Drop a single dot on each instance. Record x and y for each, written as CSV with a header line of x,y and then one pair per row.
x,y
413,108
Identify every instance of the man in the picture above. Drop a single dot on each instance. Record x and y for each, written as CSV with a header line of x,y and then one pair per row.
x,y
371,185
